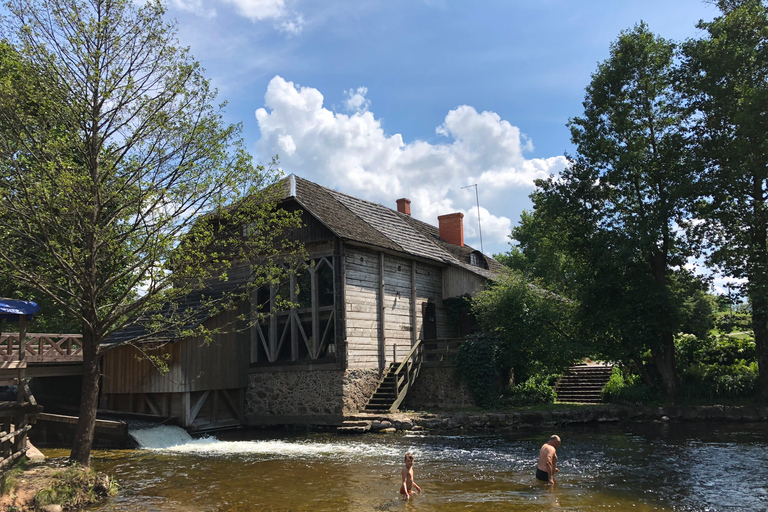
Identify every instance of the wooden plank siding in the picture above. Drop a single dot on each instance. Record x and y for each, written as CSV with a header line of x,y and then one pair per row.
x,y
458,281
402,277
193,364
361,307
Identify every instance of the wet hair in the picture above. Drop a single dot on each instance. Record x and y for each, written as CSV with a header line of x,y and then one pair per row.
x,y
408,456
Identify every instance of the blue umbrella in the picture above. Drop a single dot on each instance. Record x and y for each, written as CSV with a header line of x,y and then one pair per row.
x,y
11,310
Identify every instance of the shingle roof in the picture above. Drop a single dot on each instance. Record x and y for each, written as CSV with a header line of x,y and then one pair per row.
x,y
355,219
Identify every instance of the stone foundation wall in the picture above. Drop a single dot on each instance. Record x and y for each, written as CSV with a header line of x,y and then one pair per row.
x,y
359,385
308,393
294,393
436,388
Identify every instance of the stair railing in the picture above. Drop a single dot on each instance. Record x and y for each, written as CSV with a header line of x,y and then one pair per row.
x,y
406,374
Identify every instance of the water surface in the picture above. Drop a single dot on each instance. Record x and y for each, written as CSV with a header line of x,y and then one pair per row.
x,y
639,467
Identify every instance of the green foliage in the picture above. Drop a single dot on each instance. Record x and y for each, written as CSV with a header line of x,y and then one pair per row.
x,y
627,388
717,367
478,366
535,390
724,83
526,331
76,487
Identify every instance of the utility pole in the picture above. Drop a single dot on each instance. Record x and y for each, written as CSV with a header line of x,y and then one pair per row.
x,y
479,229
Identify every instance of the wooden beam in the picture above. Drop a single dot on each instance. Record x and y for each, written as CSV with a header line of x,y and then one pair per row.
x,y
382,315
413,302
315,285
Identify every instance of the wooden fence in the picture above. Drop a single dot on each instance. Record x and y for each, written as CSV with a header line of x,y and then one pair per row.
x,y
41,348
13,430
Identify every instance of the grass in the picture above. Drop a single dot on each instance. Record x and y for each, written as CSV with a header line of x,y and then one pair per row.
x,y
9,479
75,487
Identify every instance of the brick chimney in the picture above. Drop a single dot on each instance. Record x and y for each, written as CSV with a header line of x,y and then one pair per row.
x,y
404,206
452,228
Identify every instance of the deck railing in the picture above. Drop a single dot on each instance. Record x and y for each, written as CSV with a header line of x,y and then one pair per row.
x,y
41,348
441,351
406,373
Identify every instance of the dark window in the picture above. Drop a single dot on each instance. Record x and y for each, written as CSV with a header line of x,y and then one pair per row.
x,y
476,259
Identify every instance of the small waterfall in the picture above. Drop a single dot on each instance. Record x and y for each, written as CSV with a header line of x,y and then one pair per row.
x,y
175,439
161,438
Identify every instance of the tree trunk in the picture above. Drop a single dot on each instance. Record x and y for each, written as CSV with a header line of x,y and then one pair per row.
x,y
664,360
89,401
760,327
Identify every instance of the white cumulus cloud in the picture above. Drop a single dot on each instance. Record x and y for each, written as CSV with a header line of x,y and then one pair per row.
x,y
352,153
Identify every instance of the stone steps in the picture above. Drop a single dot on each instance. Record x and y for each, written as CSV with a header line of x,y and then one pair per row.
x,y
354,427
583,384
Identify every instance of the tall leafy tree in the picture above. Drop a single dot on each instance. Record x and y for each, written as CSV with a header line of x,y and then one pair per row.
x,y
616,207
122,187
725,83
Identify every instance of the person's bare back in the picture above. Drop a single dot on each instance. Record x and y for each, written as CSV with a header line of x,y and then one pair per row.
x,y
407,477
547,466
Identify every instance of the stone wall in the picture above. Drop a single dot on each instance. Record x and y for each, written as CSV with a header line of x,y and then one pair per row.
x,y
294,393
307,393
436,388
359,385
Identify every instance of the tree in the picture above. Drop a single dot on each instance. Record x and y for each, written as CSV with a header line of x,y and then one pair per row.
x,y
539,255
122,189
526,331
725,84
615,208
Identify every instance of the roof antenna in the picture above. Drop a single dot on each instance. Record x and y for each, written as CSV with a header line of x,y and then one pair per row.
x,y
477,198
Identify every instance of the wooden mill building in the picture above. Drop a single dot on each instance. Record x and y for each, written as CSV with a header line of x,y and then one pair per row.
x,y
375,285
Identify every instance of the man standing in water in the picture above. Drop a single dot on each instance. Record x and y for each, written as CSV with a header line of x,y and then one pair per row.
x,y
547,467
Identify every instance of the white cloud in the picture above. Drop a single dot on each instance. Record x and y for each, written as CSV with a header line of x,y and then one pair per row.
x,y
292,26
289,22
195,6
352,153
356,100
257,10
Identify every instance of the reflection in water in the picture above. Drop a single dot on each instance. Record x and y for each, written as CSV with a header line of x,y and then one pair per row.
x,y
639,467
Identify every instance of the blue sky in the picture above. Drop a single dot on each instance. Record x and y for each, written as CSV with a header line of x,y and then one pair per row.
x,y
416,99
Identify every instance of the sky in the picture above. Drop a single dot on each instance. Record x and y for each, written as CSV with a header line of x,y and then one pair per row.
x,y
420,99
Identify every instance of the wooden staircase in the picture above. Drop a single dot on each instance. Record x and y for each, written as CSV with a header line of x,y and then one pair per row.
x,y
583,383
396,381
386,394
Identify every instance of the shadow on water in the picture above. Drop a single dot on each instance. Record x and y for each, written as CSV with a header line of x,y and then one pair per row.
x,y
675,467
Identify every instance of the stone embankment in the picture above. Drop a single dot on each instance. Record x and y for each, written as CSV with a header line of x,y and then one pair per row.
x,y
500,421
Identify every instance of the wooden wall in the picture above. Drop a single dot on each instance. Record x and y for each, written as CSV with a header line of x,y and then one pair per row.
x,y
458,281
361,311
193,364
374,298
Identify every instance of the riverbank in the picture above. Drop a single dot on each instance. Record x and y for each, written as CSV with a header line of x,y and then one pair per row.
x,y
582,414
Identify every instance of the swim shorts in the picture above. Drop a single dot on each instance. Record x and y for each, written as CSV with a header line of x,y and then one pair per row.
x,y
542,475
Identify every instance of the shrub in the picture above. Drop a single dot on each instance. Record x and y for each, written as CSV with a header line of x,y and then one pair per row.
x,y
477,367
536,390
627,388
737,380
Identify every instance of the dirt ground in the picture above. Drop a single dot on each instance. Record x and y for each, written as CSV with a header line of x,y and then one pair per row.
x,y
33,479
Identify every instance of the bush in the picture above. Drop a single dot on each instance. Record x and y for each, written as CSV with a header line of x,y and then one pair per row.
x,y
738,380
477,367
536,390
716,367
627,388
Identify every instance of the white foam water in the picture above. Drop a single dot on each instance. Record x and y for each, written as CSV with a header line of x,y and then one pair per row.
x,y
176,439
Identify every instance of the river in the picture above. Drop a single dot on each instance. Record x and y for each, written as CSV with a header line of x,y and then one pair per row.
x,y
638,467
